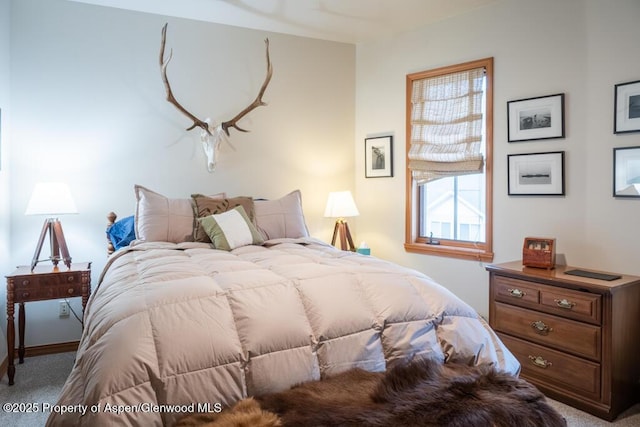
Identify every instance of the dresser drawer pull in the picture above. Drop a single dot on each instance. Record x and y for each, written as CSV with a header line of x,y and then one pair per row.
x,y
25,282
540,362
563,303
540,327
70,279
71,291
25,295
516,293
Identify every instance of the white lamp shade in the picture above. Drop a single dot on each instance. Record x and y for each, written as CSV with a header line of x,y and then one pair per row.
x,y
51,198
340,205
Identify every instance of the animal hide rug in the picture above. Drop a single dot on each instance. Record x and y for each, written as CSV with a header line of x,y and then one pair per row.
x,y
421,393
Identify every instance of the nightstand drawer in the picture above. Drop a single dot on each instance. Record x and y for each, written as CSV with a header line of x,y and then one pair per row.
x,y
555,369
563,334
39,287
48,280
23,294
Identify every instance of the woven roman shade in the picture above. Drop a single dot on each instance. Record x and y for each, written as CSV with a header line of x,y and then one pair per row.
x,y
447,125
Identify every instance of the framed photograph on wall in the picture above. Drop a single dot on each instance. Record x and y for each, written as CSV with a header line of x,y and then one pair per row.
x,y
626,172
536,118
626,112
536,174
378,157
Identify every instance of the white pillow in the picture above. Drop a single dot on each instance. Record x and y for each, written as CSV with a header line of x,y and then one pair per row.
x,y
161,219
282,217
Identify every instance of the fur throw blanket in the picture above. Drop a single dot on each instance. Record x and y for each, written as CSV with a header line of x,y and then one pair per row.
x,y
420,393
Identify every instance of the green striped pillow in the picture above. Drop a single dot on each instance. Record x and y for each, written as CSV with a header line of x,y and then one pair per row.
x,y
231,229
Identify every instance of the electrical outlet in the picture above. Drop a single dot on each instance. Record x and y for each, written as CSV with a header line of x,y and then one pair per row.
x,y
64,309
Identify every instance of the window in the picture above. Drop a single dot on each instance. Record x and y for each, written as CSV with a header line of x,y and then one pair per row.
x,y
449,161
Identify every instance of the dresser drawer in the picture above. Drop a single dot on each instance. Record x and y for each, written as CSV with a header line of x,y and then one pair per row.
x,y
516,291
577,338
543,366
573,304
583,306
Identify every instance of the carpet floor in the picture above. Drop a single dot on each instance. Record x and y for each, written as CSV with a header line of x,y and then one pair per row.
x,y
40,379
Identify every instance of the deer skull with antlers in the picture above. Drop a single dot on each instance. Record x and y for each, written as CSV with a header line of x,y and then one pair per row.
x,y
211,134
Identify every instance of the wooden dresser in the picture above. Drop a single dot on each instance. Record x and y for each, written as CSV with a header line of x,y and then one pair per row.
x,y
577,338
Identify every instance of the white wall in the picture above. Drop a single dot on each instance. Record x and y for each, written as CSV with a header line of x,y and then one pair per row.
x,y
5,263
89,108
580,48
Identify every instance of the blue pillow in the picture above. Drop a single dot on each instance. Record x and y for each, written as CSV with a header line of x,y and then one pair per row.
x,y
122,232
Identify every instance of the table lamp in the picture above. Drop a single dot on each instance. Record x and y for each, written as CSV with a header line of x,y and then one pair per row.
x,y
52,199
341,205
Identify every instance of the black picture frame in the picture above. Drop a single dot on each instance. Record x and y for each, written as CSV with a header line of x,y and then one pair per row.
x,y
536,118
626,107
378,157
626,172
536,174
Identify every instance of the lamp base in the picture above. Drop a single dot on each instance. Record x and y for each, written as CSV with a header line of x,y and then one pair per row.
x,y
342,228
53,227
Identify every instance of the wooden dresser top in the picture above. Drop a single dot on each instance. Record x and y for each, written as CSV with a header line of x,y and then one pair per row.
x,y
558,275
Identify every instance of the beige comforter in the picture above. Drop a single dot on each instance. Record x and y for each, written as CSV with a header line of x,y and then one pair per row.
x,y
179,328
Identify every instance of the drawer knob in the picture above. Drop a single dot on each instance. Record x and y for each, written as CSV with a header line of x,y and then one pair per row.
x,y
71,291
70,279
540,362
25,282
540,327
25,295
563,303
516,293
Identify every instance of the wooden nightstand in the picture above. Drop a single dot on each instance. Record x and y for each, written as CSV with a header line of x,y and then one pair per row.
x,y
576,338
44,283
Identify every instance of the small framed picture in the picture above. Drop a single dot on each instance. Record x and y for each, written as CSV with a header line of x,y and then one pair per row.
x,y
626,112
626,172
536,118
378,157
536,174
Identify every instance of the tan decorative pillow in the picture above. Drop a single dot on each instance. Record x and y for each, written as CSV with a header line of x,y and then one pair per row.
x,y
161,219
207,206
231,229
282,217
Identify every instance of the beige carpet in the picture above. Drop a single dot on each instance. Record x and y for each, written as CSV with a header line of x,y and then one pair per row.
x,y
577,418
40,379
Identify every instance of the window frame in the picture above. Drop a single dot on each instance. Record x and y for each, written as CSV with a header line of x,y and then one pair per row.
x,y
481,251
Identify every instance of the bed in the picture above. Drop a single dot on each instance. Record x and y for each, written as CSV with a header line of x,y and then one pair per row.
x,y
177,324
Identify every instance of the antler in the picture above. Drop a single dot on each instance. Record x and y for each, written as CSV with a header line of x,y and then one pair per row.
x,y
256,103
172,99
196,121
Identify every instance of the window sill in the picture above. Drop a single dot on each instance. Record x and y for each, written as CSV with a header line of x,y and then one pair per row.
x,y
451,251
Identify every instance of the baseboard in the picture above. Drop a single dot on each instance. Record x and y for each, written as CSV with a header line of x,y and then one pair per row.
x,y
39,350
